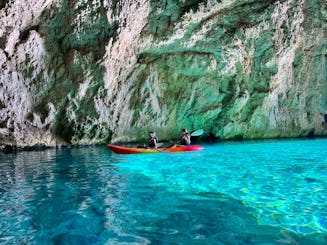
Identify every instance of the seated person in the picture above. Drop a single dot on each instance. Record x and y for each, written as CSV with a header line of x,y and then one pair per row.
x,y
153,140
185,139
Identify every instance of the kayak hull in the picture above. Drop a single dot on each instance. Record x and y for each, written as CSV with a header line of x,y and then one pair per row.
x,y
134,150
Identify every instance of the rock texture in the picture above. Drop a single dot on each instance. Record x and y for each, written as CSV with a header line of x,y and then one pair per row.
x,y
90,71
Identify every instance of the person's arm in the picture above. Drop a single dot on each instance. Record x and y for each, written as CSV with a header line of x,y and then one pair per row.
x,y
180,139
155,142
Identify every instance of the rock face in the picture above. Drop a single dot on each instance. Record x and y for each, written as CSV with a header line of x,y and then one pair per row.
x,y
79,71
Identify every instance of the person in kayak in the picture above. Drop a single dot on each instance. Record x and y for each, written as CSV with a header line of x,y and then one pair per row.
x,y
153,140
185,139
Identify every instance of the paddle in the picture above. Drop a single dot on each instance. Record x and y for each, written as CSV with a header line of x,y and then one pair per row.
x,y
197,132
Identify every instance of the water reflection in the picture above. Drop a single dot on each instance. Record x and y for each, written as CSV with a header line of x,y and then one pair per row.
x,y
221,195
56,191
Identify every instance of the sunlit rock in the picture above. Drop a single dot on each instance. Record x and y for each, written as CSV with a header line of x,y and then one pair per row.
x,y
86,72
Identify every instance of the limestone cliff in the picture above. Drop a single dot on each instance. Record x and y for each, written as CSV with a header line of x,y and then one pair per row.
x,y
88,71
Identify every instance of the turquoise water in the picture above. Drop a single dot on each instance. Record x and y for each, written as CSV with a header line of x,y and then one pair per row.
x,y
264,192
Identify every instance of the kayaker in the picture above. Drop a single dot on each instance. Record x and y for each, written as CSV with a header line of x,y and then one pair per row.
x,y
153,140
185,139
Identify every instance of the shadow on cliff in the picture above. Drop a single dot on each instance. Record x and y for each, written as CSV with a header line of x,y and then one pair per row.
x,y
75,37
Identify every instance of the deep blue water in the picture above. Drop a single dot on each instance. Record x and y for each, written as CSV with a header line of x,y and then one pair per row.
x,y
262,192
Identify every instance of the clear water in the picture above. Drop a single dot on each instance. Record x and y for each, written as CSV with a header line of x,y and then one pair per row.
x,y
268,192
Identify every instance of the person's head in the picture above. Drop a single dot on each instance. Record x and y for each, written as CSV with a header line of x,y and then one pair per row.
x,y
152,134
184,131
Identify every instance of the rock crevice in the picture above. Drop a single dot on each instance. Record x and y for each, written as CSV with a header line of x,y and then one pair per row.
x,y
82,72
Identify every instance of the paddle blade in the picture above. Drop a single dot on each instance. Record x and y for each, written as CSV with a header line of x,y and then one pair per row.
x,y
197,132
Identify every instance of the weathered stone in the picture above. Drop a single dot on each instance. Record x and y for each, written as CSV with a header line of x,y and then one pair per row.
x,y
92,71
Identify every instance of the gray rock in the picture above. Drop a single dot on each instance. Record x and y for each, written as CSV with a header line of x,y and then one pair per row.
x,y
86,72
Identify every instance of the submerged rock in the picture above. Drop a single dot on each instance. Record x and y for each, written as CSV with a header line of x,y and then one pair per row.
x,y
86,72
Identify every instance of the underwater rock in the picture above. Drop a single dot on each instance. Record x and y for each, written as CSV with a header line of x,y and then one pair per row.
x,y
87,72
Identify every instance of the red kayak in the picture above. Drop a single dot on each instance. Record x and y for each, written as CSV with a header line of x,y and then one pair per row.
x,y
134,150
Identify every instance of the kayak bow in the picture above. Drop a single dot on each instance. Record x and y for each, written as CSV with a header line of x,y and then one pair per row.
x,y
134,150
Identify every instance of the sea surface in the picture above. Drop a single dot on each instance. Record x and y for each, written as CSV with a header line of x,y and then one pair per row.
x,y
256,192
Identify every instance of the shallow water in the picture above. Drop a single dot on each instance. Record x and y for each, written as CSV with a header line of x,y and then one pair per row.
x,y
263,192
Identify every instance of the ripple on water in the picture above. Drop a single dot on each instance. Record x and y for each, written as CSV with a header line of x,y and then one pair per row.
x,y
229,193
